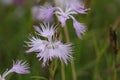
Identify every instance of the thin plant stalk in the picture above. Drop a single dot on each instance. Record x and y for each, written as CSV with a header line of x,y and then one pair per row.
x,y
51,70
115,74
99,54
62,70
72,62
62,65
97,59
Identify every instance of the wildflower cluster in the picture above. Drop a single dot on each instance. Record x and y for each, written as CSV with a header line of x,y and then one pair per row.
x,y
49,48
45,43
66,10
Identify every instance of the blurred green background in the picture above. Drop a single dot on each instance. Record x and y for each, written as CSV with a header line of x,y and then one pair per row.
x,y
96,56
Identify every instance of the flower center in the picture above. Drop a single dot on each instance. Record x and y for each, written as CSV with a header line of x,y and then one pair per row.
x,y
52,46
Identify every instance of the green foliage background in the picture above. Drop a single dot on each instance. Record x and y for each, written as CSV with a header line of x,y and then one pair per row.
x,y
94,57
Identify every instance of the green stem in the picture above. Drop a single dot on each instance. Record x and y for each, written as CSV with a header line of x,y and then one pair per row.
x,y
73,70
96,75
115,74
72,62
62,70
62,63
51,70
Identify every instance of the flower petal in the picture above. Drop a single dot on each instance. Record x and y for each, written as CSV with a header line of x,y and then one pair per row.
x,y
56,50
43,13
62,19
20,67
79,28
37,45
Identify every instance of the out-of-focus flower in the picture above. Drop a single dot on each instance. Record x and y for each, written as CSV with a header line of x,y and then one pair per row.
x,y
64,10
55,50
18,2
68,14
11,2
49,49
1,78
18,67
6,2
79,28
43,13
78,6
71,8
36,45
62,3
63,15
63,19
46,30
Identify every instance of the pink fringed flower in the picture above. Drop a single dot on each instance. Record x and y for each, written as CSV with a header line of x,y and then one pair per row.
x,y
64,14
79,28
19,67
36,45
43,13
68,14
71,8
56,50
46,30
49,49
78,6
64,10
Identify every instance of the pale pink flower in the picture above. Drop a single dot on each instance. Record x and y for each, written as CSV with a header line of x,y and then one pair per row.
x,y
64,10
64,14
19,67
68,14
78,6
46,30
43,13
49,49
1,78
36,45
55,50
70,9
63,19
80,28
